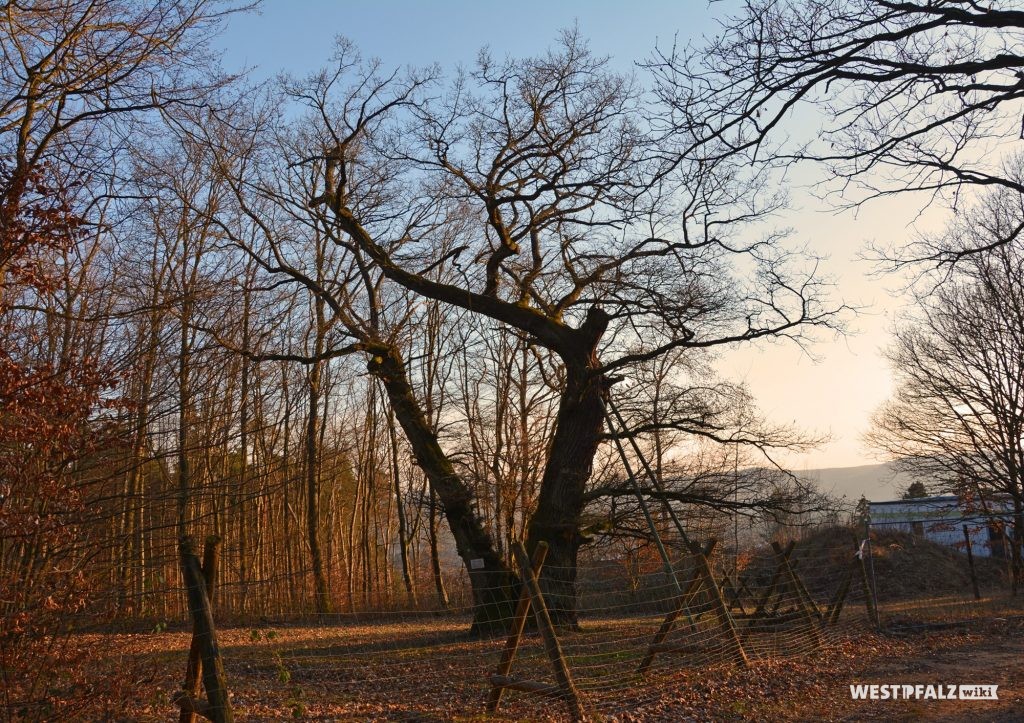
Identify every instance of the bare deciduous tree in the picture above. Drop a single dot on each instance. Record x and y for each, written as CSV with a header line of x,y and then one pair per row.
x,y
915,95
957,417
77,74
535,180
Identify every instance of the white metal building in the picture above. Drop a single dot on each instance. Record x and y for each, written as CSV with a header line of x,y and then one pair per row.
x,y
941,520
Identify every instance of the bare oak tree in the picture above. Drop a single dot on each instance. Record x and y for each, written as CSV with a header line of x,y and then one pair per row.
x,y
536,180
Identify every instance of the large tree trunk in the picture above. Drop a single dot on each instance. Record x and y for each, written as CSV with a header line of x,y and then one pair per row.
x,y
578,430
493,584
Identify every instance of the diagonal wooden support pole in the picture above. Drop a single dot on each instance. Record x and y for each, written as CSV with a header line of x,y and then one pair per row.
x,y
547,633
801,591
679,605
530,597
192,682
744,588
785,587
721,610
770,590
835,606
508,655
801,604
730,589
218,705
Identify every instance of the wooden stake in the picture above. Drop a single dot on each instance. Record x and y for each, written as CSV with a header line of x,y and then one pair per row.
x,y
191,685
721,611
805,611
679,604
801,591
743,588
500,682
734,594
515,633
774,582
869,599
970,563
836,605
214,680
547,632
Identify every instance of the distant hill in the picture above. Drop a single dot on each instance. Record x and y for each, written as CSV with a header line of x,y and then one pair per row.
x,y
877,482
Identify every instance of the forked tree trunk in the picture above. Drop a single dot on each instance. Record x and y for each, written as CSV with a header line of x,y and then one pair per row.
x,y
493,584
560,502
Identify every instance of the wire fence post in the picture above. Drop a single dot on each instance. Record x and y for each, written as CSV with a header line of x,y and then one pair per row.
x,y
872,585
970,563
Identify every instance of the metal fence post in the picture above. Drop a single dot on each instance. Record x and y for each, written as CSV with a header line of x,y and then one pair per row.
x,y
871,572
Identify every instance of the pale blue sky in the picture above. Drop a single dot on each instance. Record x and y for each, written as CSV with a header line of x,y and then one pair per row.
x,y
834,395
297,35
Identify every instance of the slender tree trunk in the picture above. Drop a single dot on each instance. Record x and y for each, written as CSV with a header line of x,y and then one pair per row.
x,y
137,471
403,532
1017,576
322,598
435,554
184,402
243,461
286,481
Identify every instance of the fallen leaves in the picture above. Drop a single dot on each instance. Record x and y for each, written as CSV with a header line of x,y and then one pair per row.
x,y
429,670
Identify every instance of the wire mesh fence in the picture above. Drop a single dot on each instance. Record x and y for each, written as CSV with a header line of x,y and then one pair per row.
x,y
631,630
934,570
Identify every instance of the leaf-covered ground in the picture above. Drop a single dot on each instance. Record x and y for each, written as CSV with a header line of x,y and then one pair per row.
x,y
428,669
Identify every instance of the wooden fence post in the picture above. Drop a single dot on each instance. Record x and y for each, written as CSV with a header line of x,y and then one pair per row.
x,y
801,591
191,685
530,596
679,605
720,608
516,630
801,604
770,590
730,589
836,605
217,706
547,633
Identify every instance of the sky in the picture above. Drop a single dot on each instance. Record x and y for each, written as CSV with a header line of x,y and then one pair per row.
x,y
832,391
